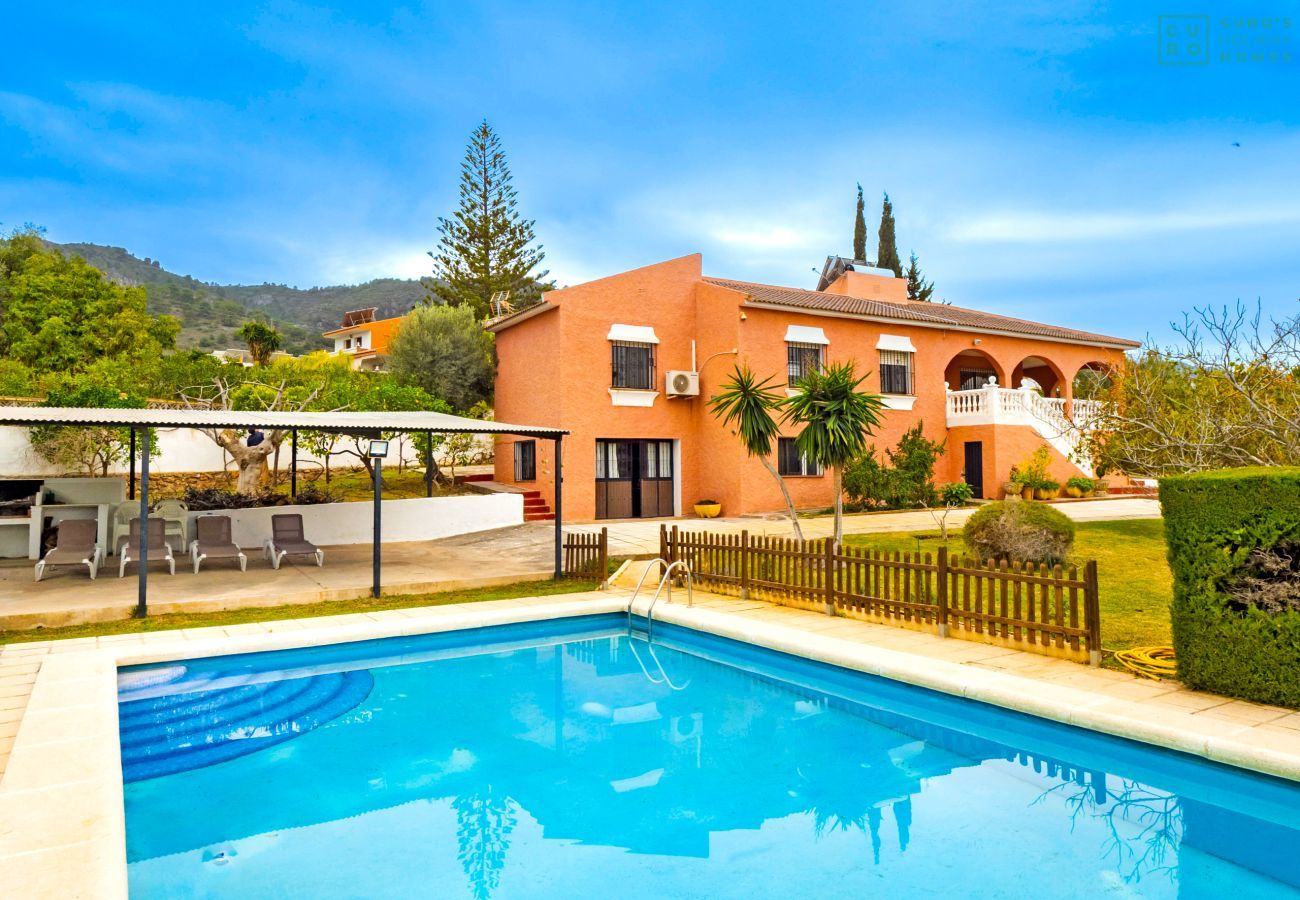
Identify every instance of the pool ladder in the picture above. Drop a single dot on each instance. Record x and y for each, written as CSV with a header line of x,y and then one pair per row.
x,y
664,581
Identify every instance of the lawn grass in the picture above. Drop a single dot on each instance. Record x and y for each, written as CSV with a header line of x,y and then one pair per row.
x,y
172,621
1134,582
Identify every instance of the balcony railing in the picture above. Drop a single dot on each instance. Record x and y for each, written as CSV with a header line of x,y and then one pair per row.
x,y
1061,422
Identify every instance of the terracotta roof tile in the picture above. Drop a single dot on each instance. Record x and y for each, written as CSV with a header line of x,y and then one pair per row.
x,y
921,313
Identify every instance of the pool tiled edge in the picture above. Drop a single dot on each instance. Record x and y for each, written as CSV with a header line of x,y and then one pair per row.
x,y
62,831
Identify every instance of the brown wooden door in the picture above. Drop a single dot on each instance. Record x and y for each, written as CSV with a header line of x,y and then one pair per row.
x,y
634,479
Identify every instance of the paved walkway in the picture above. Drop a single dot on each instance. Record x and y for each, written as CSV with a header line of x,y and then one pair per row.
x,y
66,596
639,537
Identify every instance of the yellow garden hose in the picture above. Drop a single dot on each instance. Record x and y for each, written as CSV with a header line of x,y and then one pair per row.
x,y
1149,662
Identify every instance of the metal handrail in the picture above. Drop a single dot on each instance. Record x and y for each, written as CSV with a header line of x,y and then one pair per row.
x,y
690,594
649,614
637,589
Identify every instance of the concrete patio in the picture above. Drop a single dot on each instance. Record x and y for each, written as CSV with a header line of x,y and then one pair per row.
x,y
67,596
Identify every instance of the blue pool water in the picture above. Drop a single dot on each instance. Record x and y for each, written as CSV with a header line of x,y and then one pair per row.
x,y
564,759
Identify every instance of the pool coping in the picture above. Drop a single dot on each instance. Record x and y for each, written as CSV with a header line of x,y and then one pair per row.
x,y
62,820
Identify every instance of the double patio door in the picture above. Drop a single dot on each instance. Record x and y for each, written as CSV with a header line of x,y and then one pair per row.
x,y
634,479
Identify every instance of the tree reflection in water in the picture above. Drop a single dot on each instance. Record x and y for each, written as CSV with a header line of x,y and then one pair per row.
x,y
484,820
1158,816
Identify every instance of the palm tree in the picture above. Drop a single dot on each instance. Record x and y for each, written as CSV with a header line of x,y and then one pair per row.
x,y
749,405
262,340
837,421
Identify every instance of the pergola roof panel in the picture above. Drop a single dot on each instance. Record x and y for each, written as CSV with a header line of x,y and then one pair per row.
x,y
341,422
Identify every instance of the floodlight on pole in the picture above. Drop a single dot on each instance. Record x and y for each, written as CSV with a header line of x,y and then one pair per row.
x,y
377,451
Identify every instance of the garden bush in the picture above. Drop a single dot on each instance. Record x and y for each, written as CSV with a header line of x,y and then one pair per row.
x,y
1233,538
1027,532
205,499
905,482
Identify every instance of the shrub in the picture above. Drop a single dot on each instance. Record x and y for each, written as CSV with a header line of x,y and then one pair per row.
x,y
1081,484
905,482
1232,537
1027,532
959,493
1032,473
204,499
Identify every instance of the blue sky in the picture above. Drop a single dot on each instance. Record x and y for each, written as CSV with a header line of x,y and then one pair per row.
x,y
1041,161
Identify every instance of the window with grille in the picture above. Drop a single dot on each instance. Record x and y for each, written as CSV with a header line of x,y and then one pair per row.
x,y
971,379
525,460
633,366
801,360
789,461
896,372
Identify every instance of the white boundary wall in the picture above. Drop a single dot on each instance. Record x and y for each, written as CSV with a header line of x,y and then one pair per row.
x,y
186,450
421,519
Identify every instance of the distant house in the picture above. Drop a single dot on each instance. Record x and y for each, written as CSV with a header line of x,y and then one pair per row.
x,y
365,338
244,358
627,363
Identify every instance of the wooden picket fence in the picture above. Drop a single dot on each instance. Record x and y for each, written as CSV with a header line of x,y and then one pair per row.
x,y
1046,609
587,555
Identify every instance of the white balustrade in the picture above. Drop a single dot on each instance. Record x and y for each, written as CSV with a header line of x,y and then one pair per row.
x,y
995,405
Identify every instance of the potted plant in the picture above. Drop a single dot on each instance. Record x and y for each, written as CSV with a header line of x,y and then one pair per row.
x,y
708,509
1078,486
1047,489
1101,486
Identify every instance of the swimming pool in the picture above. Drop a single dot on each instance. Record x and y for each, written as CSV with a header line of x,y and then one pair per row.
x,y
563,758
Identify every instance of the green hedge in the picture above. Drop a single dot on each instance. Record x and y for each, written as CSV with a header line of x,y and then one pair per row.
x,y
1212,522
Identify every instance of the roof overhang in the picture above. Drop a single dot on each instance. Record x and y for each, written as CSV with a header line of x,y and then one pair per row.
x,y
939,325
342,422
523,315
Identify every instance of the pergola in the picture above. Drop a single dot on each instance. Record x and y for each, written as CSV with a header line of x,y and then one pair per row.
x,y
356,424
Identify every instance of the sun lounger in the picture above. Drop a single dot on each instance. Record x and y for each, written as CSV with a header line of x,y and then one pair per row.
x,y
287,538
75,546
159,549
212,541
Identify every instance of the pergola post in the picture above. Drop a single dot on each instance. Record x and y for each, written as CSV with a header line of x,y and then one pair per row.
x,y
428,464
293,463
142,575
377,536
130,494
559,509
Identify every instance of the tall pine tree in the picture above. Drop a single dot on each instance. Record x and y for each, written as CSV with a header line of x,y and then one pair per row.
x,y
887,254
917,287
860,231
485,246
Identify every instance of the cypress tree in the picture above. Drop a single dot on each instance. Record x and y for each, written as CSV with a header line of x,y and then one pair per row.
x,y
485,246
887,254
917,287
860,231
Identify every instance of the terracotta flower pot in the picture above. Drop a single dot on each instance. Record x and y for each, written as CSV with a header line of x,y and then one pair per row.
x,y
708,510
1026,493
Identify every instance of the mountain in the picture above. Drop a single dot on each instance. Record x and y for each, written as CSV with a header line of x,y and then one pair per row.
x,y
211,313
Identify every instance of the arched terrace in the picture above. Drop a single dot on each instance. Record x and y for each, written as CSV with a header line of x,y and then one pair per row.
x,y
1092,380
1035,372
971,369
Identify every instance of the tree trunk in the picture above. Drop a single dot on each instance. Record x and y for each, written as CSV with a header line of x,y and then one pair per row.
x,y
250,460
838,475
785,492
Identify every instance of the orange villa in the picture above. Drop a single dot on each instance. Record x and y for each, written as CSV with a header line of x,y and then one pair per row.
x,y
364,338
626,364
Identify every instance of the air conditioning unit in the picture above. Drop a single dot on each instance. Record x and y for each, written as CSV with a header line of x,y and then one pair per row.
x,y
683,384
